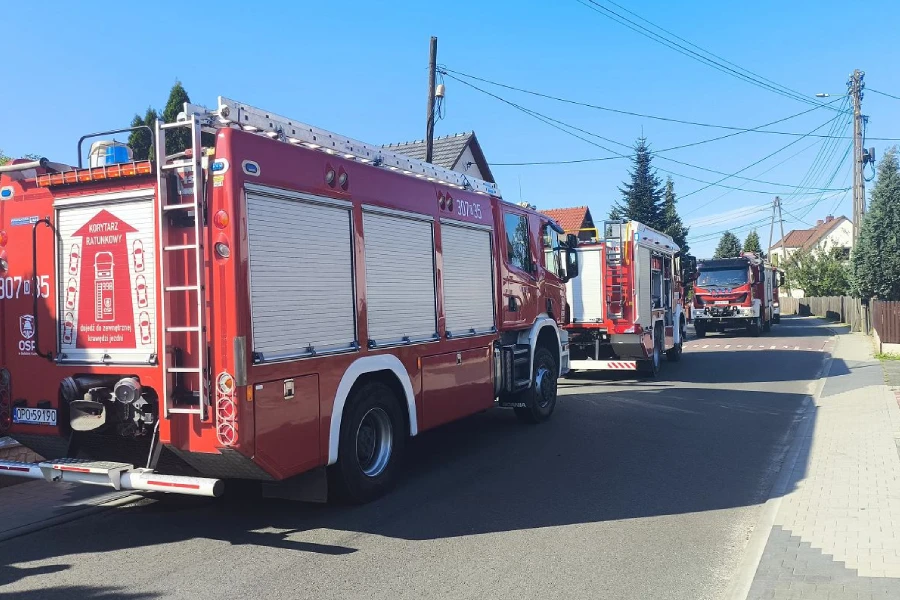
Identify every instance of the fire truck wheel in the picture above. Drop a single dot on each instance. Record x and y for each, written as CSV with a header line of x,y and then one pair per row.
x,y
767,326
651,366
673,354
756,327
540,398
699,329
371,445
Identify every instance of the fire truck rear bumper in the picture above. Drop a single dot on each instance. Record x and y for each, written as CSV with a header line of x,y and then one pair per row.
x,y
120,476
604,365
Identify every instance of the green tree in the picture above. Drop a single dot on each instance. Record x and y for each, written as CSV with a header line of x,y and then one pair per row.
x,y
177,140
141,141
642,195
876,257
822,273
673,227
729,246
751,243
615,213
5,159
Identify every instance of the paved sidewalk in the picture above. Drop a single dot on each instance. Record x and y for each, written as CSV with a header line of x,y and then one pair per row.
x,y
837,529
31,505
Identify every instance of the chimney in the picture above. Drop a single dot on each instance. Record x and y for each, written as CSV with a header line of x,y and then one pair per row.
x,y
829,218
819,222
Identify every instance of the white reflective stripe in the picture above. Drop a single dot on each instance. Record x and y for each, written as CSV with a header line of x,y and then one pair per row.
x,y
603,365
361,366
468,279
301,279
400,288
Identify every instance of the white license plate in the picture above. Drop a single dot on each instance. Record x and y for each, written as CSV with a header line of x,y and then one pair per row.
x,y
721,301
34,416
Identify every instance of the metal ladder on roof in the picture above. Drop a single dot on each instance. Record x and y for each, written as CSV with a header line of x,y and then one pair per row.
x,y
180,376
615,273
231,113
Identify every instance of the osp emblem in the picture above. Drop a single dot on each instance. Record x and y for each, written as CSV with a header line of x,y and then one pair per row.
x,y
26,326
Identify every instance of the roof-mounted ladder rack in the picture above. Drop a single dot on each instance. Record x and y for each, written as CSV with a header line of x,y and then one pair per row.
x,y
231,113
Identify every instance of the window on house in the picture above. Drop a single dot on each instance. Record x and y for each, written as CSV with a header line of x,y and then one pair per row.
x,y
518,253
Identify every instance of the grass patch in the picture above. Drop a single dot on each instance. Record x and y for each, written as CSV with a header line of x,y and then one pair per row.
x,y
887,356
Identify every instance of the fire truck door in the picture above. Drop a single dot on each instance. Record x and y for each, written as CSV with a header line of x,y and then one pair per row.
x,y
518,270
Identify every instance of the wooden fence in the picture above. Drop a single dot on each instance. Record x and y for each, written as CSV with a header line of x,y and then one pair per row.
x,y
886,321
843,309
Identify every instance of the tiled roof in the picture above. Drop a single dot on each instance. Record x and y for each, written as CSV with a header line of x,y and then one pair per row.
x,y
446,151
570,219
808,238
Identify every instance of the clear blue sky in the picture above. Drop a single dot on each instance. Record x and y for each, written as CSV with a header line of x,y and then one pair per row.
x,y
360,67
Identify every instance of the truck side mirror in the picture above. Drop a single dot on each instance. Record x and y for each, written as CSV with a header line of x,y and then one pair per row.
x,y
571,257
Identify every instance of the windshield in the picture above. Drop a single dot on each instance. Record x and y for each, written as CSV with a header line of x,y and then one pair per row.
x,y
722,278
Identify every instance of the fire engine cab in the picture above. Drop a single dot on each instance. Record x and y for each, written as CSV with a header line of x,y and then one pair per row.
x,y
282,304
626,305
738,292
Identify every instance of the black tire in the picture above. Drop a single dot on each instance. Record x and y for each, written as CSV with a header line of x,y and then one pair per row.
x,y
755,328
699,330
673,354
767,326
540,399
776,319
651,366
362,474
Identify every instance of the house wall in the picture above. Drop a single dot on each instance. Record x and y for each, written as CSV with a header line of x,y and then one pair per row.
x,y
839,237
465,158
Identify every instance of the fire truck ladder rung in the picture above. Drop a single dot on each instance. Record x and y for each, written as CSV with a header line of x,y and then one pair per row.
x,y
181,247
185,411
180,329
182,206
182,288
179,164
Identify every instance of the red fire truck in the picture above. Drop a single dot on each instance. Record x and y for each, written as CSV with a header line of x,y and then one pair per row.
x,y
735,293
626,305
283,301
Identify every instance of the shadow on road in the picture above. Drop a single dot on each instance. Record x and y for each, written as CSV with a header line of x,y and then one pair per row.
x,y
651,449
623,455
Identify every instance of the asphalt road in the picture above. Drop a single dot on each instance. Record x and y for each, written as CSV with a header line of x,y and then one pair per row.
x,y
635,489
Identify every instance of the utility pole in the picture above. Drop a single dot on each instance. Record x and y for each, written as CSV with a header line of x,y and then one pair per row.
x,y
776,207
855,87
429,127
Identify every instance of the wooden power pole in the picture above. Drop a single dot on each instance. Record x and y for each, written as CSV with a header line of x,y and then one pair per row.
x,y
429,127
855,88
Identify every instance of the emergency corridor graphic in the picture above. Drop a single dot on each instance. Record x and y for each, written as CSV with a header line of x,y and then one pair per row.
x,y
106,262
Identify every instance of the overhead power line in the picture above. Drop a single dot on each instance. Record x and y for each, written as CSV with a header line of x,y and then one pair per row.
x,y
631,113
737,129
883,94
707,57
571,129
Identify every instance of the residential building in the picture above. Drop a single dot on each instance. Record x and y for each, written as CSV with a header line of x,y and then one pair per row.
x,y
575,220
460,152
830,232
